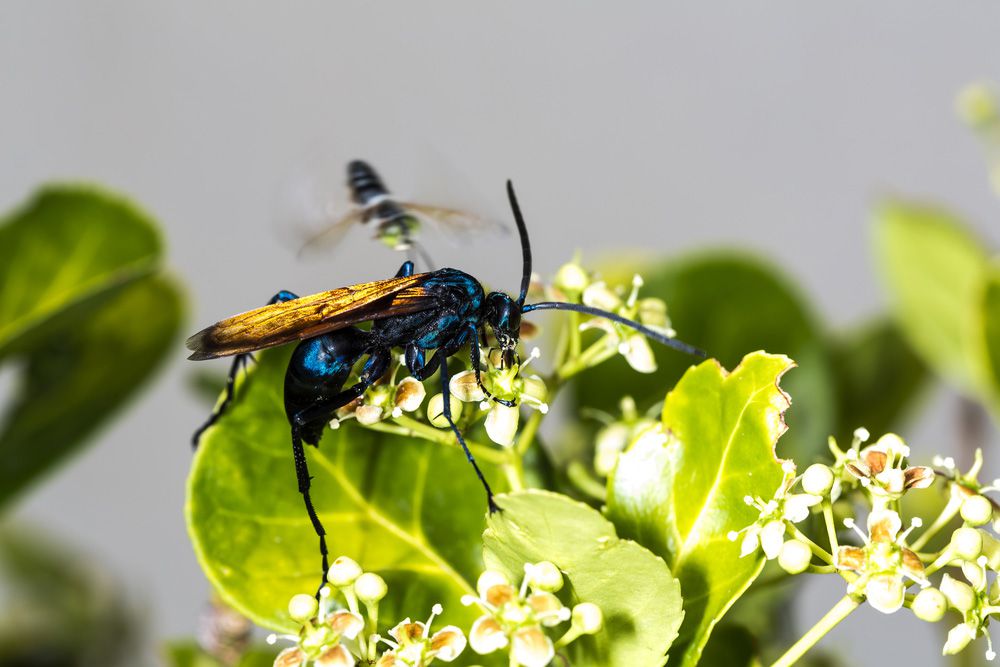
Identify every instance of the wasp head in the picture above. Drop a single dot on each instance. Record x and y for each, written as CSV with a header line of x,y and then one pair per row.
x,y
503,314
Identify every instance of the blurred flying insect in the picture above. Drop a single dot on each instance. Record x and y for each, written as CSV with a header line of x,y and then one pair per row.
x,y
442,311
397,224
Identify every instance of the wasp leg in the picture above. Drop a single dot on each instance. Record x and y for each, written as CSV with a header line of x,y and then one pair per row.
x,y
239,361
307,427
446,410
474,353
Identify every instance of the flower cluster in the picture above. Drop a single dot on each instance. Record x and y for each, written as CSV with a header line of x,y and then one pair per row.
x,y
886,562
332,636
514,618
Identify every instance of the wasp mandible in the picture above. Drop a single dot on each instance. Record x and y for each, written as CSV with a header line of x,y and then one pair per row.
x,y
439,311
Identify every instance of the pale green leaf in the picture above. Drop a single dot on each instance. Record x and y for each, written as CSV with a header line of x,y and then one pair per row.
x,y
681,499
640,599
989,335
404,508
933,268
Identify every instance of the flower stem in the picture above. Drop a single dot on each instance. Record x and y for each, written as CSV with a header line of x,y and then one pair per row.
x,y
817,550
831,529
947,514
410,427
839,612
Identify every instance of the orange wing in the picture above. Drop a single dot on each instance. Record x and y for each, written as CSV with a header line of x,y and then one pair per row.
x,y
309,316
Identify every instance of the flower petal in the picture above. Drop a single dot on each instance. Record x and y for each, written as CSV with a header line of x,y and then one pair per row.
x,y
750,541
958,638
772,536
346,624
486,635
797,506
858,469
290,657
850,558
884,525
912,564
638,353
531,647
501,594
447,643
546,607
918,477
875,459
501,424
337,656
892,479
388,659
408,632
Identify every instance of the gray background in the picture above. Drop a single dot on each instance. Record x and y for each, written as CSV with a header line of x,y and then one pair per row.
x,y
767,125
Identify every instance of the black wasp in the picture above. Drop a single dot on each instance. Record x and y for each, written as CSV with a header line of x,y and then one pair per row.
x,y
397,223
441,310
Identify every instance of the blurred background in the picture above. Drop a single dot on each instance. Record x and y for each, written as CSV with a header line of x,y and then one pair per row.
x,y
660,126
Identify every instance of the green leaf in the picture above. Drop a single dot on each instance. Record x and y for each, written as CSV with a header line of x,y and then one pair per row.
x,y
681,499
989,332
68,243
82,318
410,510
640,599
933,268
728,304
189,654
879,377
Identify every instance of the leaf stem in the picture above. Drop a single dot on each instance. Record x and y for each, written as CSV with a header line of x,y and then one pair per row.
x,y
580,476
839,612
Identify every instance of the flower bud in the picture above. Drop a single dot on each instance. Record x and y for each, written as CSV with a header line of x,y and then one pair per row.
x,y
598,295
960,594
653,313
571,278
501,424
544,576
977,510
794,557
370,588
435,410
465,388
991,549
930,605
967,543
368,414
588,617
975,575
343,572
817,479
302,607
410,394
611,440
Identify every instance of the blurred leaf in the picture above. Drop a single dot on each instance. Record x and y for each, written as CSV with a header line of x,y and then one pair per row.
x,y
933,268
878,378
407,509
189,654
60,607
728,304
82,317
206,385
640,599
80,371
68,243
731,646
681,498
989,330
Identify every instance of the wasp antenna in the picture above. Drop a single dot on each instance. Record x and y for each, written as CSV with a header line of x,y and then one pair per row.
x,y
597,312
522,231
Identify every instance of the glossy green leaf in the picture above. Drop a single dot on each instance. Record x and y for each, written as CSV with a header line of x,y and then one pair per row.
x,y
189,654
681,499
67,244
728,304
83,320
933,268
879,377
407,509
640,599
